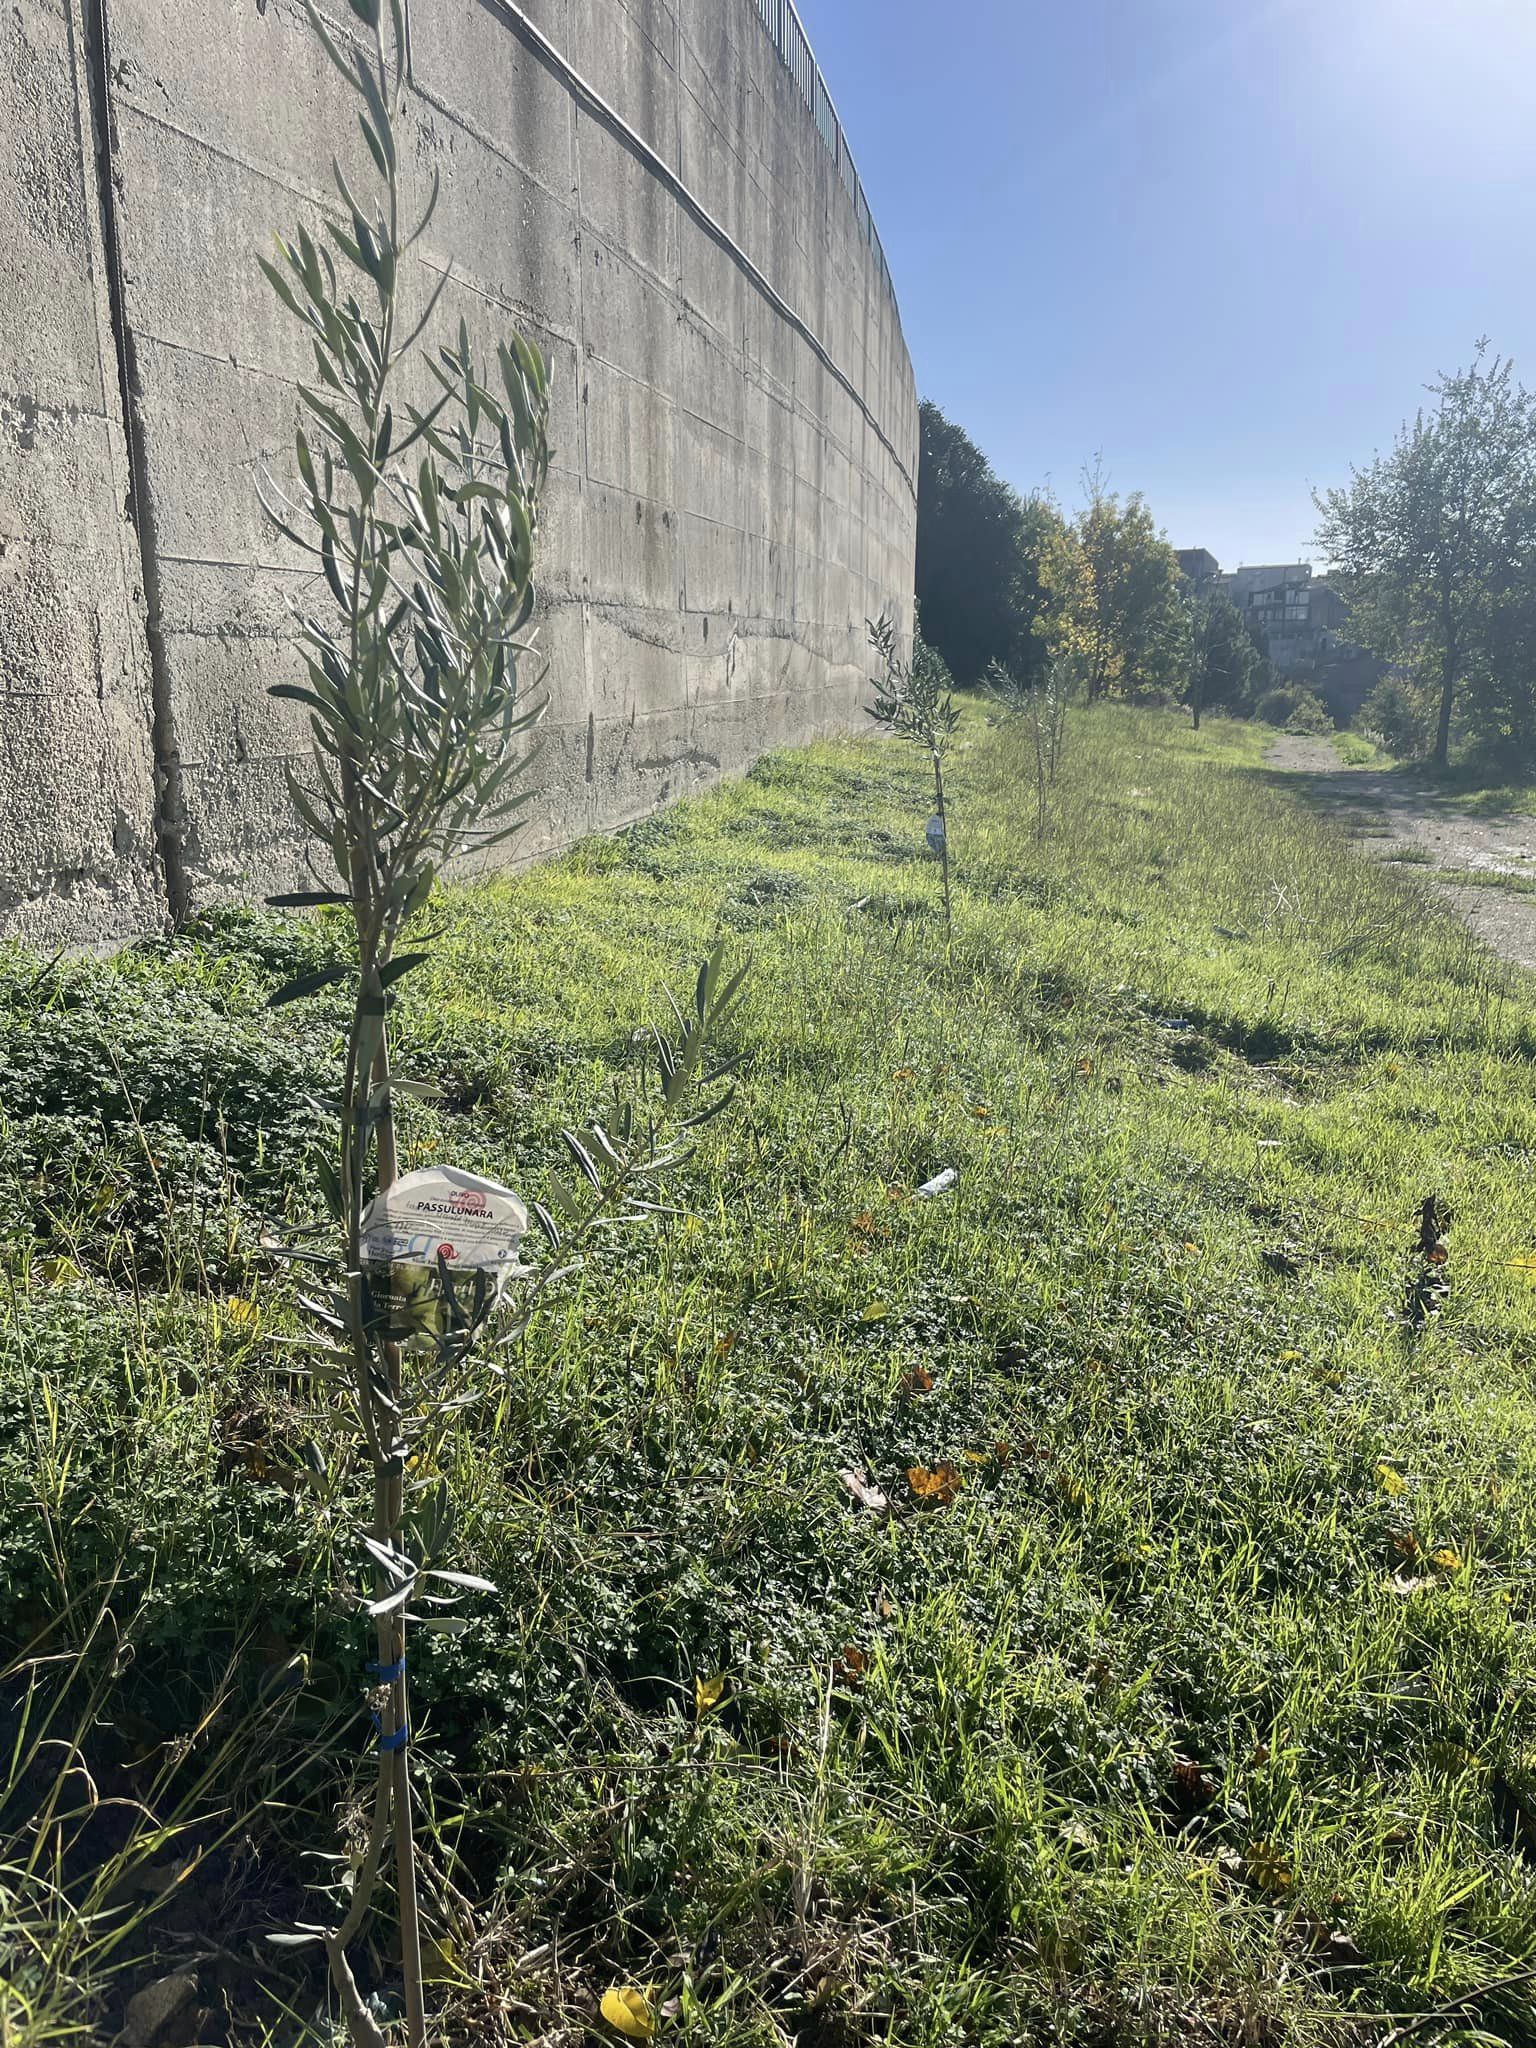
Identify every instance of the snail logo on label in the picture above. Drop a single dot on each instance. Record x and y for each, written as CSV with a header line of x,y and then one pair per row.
x,y
469,1202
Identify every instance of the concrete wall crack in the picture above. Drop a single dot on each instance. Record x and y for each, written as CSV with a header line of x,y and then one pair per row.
x,y
170,809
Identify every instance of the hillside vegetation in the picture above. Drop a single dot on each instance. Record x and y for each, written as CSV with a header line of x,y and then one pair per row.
x,y
1082,1606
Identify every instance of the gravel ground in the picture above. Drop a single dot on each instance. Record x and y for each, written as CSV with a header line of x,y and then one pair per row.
x,y
1390,817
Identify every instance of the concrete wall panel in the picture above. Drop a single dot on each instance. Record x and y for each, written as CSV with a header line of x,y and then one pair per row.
x,y
77,785
730,498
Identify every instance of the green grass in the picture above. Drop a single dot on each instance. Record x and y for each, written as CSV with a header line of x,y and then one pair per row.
x,y
1481,785
1201,1709
1356,751
1513,882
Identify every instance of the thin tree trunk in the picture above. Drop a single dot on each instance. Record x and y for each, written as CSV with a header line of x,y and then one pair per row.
x,y
938,805
383,1425
1442,753
390,1511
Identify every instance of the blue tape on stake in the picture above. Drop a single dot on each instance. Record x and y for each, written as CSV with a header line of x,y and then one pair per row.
x,y
390,1743
387,1673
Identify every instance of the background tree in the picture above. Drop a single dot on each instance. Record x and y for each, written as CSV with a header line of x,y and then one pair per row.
x,y
981,554
1225,663
1499,699
1122,615
1433,542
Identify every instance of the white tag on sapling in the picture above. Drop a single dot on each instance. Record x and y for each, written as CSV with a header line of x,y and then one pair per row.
x,y
438,1213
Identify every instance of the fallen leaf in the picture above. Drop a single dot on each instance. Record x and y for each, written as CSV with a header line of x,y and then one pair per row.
x,y
851,1665
708,1693
1407,1545
981,1111
628,2011
864,1491
245,1315
939,1486
1389,1481
726,1344
1085,1066
1448,1557
918,1381
1266,1867
876,1312
1192,1779
864,1223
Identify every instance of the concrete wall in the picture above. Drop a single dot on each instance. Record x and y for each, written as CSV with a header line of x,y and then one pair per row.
x,y
77,788
732,495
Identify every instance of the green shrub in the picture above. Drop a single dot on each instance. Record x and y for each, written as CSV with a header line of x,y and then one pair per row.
x,y
1296,708
148,1109
1397,714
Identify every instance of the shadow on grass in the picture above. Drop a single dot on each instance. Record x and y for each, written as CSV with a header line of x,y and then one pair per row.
x,y
1468,791
1382,789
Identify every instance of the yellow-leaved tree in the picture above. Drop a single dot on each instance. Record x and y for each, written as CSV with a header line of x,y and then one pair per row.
x,y
1116,601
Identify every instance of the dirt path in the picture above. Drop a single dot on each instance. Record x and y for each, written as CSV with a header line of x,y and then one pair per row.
x,y
1393,819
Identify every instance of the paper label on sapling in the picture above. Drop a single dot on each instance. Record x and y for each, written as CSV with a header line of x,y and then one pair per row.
x,y
438,1212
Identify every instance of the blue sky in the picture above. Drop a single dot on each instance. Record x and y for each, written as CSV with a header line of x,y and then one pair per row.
x,y
1225,241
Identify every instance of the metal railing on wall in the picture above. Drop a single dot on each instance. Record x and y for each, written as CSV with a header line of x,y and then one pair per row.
x,y
794,47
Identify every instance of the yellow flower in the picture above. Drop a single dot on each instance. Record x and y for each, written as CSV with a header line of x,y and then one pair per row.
x,y
708,1693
